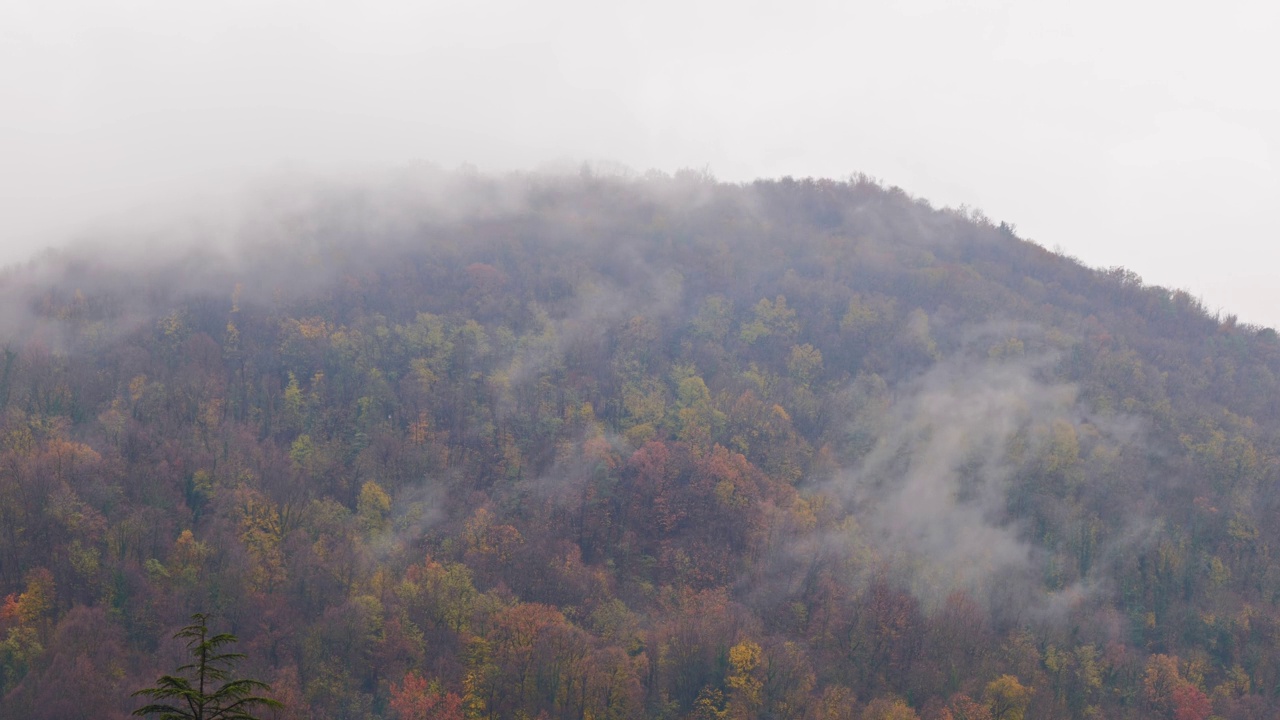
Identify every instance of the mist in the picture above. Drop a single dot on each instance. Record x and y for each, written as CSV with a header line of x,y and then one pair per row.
x,y
932,493
934,497
823,417
1116,140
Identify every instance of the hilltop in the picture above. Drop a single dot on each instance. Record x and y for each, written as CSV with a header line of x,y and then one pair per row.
x,y
624,447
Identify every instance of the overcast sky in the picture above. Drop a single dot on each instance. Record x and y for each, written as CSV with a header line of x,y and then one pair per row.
x,y
1136,134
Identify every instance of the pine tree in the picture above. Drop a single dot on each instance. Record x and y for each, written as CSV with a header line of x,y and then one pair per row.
x,y
190,695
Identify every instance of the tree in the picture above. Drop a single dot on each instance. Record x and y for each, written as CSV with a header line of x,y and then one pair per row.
x,y
744,680
1007,698
1189,703
421,699
233,700
890,708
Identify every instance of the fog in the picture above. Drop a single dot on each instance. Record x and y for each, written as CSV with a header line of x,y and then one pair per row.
x,y
1140,135
932,495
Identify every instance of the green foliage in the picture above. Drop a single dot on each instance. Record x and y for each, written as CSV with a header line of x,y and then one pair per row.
x,y
19,649
663,489
714,318
772,318
205,689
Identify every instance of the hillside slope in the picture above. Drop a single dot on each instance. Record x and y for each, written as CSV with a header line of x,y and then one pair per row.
x,y
621,448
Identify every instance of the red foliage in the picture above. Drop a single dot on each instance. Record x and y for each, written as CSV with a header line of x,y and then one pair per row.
x,y
419,699
1189,703
9,611
654,494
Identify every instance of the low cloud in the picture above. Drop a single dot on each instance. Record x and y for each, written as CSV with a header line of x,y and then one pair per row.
x,y
931,495
933,498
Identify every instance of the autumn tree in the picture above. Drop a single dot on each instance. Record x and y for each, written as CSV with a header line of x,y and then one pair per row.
x,y
744,680
889,709
419,699
1007,698
1170,694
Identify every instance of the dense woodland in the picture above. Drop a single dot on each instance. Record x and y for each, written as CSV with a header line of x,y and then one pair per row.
x,y
454,446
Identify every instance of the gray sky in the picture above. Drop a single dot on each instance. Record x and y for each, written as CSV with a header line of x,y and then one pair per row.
x,y
1142,134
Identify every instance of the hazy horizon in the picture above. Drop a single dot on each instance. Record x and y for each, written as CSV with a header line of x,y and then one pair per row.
x,y
1135,135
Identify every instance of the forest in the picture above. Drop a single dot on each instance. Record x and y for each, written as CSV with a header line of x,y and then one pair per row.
x,y
448,445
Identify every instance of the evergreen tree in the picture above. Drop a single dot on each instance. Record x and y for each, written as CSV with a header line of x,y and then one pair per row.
x,y
190,695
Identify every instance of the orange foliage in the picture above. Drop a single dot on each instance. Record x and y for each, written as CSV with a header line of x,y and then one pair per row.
x,y
418,699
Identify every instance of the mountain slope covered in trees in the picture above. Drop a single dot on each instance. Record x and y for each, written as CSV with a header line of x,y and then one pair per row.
x,y
455,446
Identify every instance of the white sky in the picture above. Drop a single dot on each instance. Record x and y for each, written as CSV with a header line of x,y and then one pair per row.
x,y
1142,134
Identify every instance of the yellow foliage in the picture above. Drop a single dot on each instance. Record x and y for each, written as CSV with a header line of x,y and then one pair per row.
x,y
1064,447
20,440
260,531
136,387
1009,348
188,554
1219,572
418,430
889,709
805,362
1007,698
476,530
802,514
314,328
744,658
232,341
1236,684
859,316
373,507
36,602
709,705
640,434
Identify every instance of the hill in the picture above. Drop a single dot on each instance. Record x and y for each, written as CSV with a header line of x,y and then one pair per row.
x,y
633,447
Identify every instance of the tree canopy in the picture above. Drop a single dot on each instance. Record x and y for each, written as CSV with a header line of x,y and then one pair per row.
x,y
629,447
